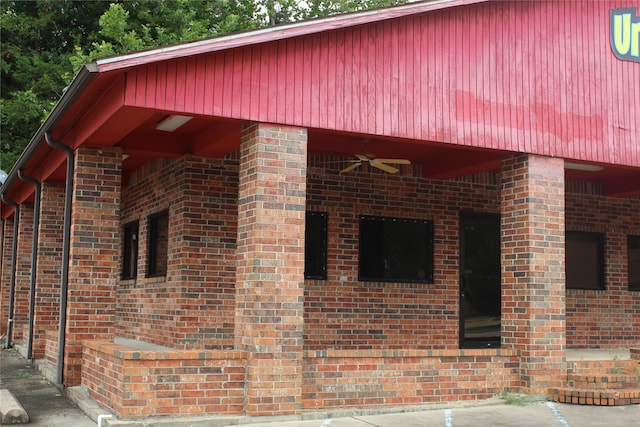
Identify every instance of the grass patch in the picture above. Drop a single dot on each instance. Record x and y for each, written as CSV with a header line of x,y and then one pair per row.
x,y
517,399
26,375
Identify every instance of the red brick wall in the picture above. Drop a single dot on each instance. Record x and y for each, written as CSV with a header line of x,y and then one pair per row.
x,y
193,306
344,378
5,277
141,384
94,253
23,271
349,327
270,268
605,318
342,313
532,257
51,346
49,264
138,383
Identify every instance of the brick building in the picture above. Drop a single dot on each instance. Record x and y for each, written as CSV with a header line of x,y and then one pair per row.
x,y
424,203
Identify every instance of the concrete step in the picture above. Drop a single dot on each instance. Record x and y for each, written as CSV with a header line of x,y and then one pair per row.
x,y
595,367
603,381
611,397
613,382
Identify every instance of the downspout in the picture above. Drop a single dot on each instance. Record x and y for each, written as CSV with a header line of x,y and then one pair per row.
x,y
1,242
66,242
34,258
14,255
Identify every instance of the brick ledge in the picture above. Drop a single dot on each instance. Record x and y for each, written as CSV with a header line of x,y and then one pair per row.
x,y
128,353
498,352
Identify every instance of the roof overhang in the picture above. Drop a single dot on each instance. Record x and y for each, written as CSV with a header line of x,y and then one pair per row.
x,y
93,112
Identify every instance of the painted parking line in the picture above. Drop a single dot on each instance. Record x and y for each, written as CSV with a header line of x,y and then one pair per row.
x,y
557,414
326,423
448,418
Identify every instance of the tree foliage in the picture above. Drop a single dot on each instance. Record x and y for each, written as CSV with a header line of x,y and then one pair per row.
x,y
43,43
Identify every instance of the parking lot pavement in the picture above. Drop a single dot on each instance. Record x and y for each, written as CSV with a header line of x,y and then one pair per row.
x,y
539,414
598,416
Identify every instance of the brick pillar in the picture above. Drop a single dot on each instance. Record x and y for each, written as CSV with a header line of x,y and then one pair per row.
x,y
94,254
270,266
533,277
49,264
5,275
23,274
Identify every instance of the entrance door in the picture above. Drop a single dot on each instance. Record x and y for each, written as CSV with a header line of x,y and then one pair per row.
x,y
480,292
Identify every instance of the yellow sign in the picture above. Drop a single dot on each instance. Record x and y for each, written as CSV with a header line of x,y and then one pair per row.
x,y
625,34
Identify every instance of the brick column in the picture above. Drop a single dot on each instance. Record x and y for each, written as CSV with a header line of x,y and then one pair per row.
x,y
533,277
270,266
5,275
23,274
49,265
94,254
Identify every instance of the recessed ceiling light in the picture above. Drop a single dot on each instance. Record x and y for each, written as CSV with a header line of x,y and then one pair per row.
x,y
582,167
172,122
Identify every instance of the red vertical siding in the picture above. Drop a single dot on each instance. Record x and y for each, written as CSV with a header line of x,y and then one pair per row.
x,y
534,77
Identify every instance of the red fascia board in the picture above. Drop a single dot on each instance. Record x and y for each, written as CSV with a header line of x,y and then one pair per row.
x,y
275,33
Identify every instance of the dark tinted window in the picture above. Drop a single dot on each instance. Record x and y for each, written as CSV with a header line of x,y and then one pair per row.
x,y
158,244
584,260
395,250
315,248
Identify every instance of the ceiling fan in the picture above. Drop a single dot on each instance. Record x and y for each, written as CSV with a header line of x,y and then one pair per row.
x,y
383,164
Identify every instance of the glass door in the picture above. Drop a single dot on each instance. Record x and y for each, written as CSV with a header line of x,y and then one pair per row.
x,y
480,290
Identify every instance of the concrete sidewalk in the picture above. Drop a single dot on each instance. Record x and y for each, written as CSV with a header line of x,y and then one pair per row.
x,y
44,403
47,407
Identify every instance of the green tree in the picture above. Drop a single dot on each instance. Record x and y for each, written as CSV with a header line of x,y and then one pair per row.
x,y
319,8
37,38
43,43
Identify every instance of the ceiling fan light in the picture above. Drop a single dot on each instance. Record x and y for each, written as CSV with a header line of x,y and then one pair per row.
x,y
172,122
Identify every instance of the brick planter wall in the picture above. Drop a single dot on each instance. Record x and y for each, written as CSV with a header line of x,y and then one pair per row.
x,y
344,378
140,384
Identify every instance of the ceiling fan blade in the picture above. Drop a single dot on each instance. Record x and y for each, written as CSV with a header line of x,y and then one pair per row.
x,y
376,164
395,161
362,157
351,167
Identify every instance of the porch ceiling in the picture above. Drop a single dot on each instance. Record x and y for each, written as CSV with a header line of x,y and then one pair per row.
x,y
208,137
135,131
